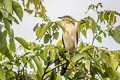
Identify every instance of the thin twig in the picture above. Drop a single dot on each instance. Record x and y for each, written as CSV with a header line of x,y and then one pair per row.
x,y
55,68
46,77
68,77
45,71
26,64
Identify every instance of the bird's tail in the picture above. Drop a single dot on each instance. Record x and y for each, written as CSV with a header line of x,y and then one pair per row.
x,y
64,68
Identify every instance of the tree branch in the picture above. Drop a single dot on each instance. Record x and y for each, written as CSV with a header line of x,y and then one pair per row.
x,y
68,77
45,70
26,64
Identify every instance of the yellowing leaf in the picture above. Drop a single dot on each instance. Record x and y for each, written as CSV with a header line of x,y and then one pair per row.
x,y
59,43
86,48
109,59
58,77
12,45
52,55
2,74
22,42
87,65
113,62
78,29
60,25
44,30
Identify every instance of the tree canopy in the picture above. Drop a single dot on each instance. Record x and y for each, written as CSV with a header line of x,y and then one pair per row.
x,y
44,60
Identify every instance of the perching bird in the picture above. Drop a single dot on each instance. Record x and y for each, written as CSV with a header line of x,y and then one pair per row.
x,y
69,38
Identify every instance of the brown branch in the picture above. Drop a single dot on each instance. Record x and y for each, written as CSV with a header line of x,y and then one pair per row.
x,y
55,68
45,70
26,64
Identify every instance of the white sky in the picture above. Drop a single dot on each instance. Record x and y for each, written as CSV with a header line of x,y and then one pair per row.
x,y
74,8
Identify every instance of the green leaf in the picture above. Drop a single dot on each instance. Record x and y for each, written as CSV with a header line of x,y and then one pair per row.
x,y
101,16
3,46
37,77
104,34
35,28
47,38
56,35
8,5
82,26
38,31
29,11
44,30
11,33
24,59
116,34
52,55
99,39
54,26
109,59
0,4
84,33
86,48
81,45
39,66
60,25
11,18
113,61
68,73
43,55
31,64
110,32
7,24
58,77
4,13
77,57
99,28
17,9
12,45
22,42
53,75
2,74
79,75
2,40
1,26
6,52
78,29
93,24
87,65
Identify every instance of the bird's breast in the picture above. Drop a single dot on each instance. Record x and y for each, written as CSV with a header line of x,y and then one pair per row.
x,y
69,41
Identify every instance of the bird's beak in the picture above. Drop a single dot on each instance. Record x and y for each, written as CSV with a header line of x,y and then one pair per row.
x,y
60,17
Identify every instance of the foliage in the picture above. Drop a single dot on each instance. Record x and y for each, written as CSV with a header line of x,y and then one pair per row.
x,y
89,62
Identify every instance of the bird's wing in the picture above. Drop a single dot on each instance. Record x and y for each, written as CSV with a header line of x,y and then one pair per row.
x,y
63,41
76,37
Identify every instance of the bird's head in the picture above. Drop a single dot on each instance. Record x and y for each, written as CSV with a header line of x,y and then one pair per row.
x,y
67,19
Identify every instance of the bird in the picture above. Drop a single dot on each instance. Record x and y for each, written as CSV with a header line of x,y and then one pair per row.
x,y
69,38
